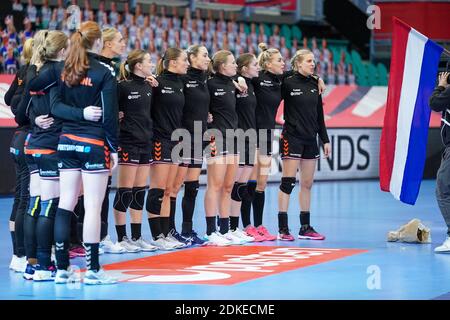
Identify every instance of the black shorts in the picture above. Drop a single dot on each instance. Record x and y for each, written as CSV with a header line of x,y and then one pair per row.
x,y
265,139
292,148
83,153
193,158
247,155
45,161
133,155
222,147
162,151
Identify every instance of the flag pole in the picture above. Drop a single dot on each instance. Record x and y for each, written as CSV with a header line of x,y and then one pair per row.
x,y
446,52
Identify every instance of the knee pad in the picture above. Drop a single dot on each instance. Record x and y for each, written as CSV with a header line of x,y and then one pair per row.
x,y
123,198
239,191
138,198
154,200
48,208
287,184
191,189
34,207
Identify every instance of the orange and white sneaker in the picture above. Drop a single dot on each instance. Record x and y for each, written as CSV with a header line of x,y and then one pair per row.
x,y
265,233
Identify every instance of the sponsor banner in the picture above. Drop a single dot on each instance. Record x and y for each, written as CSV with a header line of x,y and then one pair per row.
x,y
222,265
355,155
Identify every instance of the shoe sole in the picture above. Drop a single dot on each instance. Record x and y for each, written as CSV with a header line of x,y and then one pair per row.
x,y
442,251
61,281
114,252
44,280
97,282
65,281
310,238
28,277
166,249
212,244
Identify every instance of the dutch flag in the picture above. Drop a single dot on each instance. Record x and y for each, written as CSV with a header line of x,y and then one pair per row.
x,y
414,66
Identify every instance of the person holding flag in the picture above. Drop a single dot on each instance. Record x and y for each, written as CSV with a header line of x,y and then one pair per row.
x,y
440,101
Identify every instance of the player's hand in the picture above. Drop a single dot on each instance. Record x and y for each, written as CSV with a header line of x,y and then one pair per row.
x,y
322,86
443,76
43,121
152,80
114,161
327,150
92,113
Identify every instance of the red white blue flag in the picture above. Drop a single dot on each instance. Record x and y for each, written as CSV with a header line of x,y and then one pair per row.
x,y
413,71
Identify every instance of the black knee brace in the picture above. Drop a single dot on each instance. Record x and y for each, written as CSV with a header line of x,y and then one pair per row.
x,y
154,200
48,208
191,189
123,199
287,184
239,191
138,198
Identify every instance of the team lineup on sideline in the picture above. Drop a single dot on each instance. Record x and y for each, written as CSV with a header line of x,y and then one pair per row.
x,y
145,144
80,121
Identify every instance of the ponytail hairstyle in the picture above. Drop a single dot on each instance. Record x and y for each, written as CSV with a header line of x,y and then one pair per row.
x,y
54,42
77,62
218,59
266,55
38,44
134,57
170,54
298,57
27,51
244,60
193,51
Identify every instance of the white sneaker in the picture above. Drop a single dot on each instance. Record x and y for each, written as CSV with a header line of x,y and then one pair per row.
x,y
242,235
41,274
217,239
144,245
445,247
67,276
92,277
174,240
18,264
110,247
129,246
234,239
163,244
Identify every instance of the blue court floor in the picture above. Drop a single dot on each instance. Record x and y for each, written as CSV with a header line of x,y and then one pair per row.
x,y
352,215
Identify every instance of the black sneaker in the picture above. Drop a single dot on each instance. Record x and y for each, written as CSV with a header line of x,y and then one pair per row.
x,y
309,233
193,238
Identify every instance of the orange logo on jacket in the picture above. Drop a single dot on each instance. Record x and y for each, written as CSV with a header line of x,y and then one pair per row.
x,y
86,82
